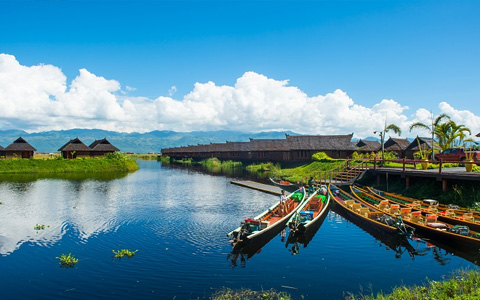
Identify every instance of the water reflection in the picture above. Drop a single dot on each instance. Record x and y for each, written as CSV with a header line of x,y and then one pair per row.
x,y
63,176
401,244
88,206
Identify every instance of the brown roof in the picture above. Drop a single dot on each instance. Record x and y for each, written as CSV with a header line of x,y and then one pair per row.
x,y
268,145
75,145
478,134
368,145
103,146
1,148
20,145
321,142
423,141
396,144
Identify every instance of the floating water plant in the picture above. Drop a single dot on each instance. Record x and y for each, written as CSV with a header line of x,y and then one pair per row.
x,y
124,252
67,261
39,227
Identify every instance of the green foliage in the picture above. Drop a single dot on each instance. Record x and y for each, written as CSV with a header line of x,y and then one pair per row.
x,y
164,159
39,227
302,173
113,163
321,156
215,163
463,285
124,253
390,155
356,155
244,294
67,260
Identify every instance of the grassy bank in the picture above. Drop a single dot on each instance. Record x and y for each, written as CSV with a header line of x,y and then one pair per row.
x,y
462,285
111,163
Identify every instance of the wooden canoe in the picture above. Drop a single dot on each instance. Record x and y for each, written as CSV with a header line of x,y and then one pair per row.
x,y
284,184
267,224
312,211
445,214
366,213
426,225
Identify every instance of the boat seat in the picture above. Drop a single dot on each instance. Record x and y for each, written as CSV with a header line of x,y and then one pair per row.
x,y
450,212
394,209
383,205
468,216
405,212
431,218
313,205
432,209
349,203
356,207
364,211
416,205
416,217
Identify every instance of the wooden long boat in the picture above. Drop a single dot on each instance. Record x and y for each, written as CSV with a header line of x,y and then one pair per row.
x,y
312,211
397,243
267,224
427,203
366,213
448,215
426,225
284,184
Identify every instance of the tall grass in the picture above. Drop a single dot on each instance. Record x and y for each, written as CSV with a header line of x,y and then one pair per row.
x,y
462,285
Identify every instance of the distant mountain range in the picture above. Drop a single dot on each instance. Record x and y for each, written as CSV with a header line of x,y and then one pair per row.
x,y
154,141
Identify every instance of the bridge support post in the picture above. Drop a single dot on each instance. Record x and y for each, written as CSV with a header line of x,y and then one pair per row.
x,y
444,185
407,182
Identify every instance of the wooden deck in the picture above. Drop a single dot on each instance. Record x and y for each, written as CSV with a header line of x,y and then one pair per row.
x,y
271,189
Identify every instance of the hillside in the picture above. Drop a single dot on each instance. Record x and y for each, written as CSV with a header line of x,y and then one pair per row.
x,y
154,141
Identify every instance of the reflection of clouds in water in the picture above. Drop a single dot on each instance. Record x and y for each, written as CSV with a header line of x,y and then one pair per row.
x,y
90,206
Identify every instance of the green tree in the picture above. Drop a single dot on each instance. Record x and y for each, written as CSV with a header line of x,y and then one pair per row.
x,y
432,128
451,134
382,133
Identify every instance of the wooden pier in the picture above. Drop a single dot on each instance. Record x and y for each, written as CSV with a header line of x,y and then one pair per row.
x,y
267,188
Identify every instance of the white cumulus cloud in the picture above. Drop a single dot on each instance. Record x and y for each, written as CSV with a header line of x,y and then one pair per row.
x,y
38,98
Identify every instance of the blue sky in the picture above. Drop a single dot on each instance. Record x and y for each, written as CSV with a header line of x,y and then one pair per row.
x,y
418,55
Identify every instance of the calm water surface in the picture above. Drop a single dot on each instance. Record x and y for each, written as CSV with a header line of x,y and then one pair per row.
x,y
178,220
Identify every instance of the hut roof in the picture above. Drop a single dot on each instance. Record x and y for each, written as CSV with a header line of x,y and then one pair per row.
x,y
478,134
1,148
75,145
103,146
428,142
321,142
368,145
396,144
20,145
268,145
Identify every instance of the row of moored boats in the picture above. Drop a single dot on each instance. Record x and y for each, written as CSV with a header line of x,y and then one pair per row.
x,y
388,212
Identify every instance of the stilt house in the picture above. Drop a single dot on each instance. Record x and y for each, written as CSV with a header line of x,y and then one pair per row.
x,y
2,152
19,149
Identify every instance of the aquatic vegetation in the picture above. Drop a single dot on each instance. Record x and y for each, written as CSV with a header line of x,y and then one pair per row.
x,y
228,294
67,260
124,252
39,227
463,285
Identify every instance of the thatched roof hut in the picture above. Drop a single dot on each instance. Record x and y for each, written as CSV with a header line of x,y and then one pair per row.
x,y
397,145
75,148
368,146
102,147
20,148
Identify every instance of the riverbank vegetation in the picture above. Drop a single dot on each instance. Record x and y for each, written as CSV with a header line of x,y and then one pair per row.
x,y
113,162
462,285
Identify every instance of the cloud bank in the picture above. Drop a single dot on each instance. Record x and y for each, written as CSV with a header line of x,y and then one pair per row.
x,y
38,98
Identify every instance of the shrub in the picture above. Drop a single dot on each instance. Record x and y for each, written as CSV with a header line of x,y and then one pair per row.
x,y
321,156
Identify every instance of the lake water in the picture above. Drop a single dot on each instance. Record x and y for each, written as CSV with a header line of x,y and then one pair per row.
x,y
178,220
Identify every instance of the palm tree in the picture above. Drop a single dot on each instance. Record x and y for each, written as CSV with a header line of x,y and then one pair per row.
x,y
431,128
382,133
450,134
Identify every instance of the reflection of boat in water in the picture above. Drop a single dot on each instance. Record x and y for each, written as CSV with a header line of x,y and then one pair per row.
x,y
396,242
284,184
268,224
308,219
